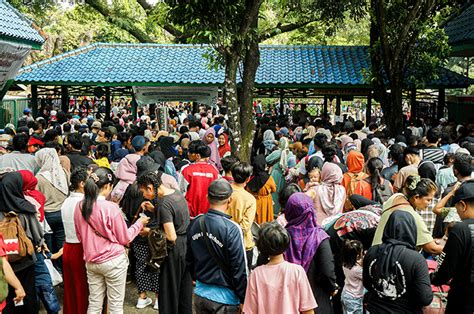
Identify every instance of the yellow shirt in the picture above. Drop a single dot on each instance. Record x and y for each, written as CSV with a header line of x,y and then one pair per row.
x,y
103,162
242,209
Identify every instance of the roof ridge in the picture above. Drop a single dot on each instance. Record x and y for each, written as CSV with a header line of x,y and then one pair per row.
x,y
59,57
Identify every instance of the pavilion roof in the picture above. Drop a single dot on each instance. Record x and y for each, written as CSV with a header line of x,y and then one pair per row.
x,y
111,64
15,27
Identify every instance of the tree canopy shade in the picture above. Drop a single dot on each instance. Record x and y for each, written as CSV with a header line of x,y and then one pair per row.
x,y
405,35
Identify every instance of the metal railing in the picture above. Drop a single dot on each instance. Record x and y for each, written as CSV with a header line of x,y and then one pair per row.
x,y
11,110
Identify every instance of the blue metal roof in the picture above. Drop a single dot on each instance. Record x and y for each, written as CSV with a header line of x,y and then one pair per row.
x,y
461,28
17,27
156,64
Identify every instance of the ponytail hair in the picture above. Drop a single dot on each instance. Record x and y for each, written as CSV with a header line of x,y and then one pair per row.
x,y
92,186
153,179
414,185
375,166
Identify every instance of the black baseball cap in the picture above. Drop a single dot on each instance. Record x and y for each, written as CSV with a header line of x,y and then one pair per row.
x,y
219,189
464,192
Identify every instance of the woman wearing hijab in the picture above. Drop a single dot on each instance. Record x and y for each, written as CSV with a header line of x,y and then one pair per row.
x,y
126,174
278,160
269,141
31,193
224,147
261,186
168,149
53,182
210,139
355,165
13,200
329,196
427,169
310,248
395,274
311,132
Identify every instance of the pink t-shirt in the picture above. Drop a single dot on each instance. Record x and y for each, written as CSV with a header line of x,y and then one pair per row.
x,y
281,288
106,218
353,282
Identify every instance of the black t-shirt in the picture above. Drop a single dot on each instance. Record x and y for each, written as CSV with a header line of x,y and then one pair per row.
x,y
174,208
78,160
456,264
412,278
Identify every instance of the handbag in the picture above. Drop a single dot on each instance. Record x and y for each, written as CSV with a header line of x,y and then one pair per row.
x,y
17,243
56,277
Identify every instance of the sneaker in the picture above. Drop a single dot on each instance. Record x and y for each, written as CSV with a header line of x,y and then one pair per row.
x,y
155,307
143,303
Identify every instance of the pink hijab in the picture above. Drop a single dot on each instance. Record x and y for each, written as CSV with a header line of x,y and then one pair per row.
x,y
215,159
127,168
331,193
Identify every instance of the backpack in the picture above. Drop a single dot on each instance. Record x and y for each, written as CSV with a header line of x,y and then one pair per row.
x,y
355,179
158,245
17,243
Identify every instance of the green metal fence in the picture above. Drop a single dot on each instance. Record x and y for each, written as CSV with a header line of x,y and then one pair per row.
x,y
11,110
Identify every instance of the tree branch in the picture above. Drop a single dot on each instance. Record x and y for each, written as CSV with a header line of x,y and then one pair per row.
x,y
122,23
280,29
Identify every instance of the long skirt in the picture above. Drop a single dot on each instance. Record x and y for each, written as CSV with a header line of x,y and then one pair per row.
x,y
76,289
146,280
175,281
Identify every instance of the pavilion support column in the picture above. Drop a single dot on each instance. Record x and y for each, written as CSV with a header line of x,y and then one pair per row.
x,y
282,111
325,106
152,109
414,109
195,105
34,100
134,108
338,105
441,102
107,103
64,99
368,110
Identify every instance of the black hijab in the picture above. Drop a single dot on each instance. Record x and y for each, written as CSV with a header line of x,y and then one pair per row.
x,y
399,234
167,146
11,195
260,175
427,169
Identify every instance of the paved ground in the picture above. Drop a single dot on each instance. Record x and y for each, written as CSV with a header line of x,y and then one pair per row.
x,y
129,304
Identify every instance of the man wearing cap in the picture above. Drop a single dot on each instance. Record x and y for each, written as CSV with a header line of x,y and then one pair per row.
x,y
457,260
140,144
95,128
216,255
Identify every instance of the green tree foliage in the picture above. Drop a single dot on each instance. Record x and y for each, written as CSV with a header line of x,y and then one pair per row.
x,y
407,44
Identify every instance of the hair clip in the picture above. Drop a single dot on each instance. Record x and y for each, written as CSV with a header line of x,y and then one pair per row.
x,y
94,177
110,177
414,183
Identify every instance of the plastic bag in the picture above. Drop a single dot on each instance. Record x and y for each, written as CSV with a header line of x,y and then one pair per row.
x,y
56,277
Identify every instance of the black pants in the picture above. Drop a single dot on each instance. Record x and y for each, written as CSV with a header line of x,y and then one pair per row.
x,y
30,302
205,306
359,201
176,291
249,254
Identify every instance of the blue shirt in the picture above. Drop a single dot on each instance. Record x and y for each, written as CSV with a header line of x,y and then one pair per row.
x,y
219,294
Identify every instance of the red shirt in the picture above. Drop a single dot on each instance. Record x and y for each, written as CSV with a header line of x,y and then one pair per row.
x,y
198,177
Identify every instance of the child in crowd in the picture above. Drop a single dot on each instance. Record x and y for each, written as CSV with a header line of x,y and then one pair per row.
x,y
353,291
227,163
44,283
102,155
278,286
314,178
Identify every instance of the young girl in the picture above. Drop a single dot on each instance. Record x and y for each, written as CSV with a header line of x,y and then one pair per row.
x,y
103,233
353,291
278,286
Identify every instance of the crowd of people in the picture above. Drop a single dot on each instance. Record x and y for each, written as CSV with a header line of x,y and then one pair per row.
x,y
325,218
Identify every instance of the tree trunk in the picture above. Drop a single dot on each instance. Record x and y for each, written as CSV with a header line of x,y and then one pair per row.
x,y
251,63
230,100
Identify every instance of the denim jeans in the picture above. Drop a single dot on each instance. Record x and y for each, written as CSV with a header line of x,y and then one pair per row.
x,y
48,296
351,304
56,239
